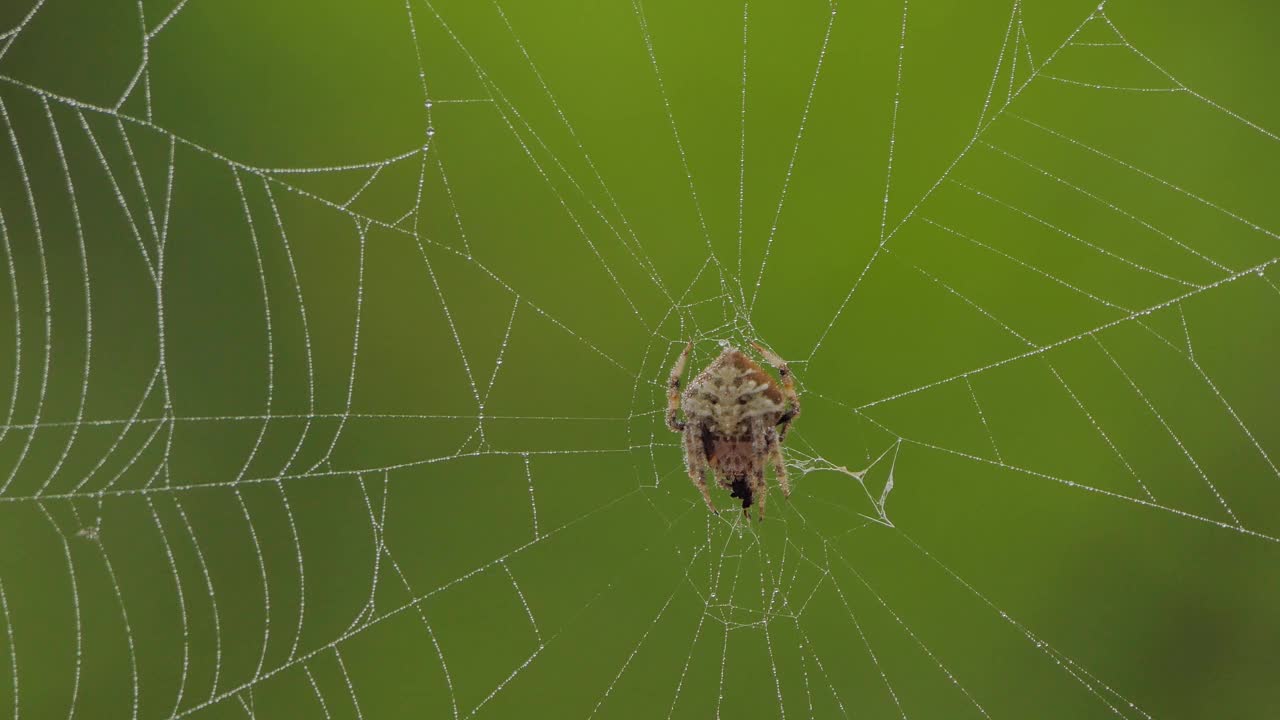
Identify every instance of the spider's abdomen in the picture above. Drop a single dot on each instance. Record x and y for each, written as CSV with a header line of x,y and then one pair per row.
x,y
732,392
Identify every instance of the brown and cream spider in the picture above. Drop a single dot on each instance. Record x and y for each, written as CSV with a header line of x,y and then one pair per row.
x,y
735,419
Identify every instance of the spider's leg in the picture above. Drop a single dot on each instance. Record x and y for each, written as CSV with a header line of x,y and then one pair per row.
x,y
699,478
762,492
673,390
779,467
788,390
699,466
759,437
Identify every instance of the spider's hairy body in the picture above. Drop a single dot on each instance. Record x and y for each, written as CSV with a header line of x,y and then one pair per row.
x,y
730,393
736,417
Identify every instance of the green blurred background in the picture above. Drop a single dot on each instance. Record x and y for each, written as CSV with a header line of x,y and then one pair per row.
x,y
338,337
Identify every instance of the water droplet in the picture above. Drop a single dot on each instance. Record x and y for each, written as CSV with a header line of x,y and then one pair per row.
x,y
429,104
431,131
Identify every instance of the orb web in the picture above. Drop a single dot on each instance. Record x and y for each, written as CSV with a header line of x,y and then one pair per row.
x,y
295,431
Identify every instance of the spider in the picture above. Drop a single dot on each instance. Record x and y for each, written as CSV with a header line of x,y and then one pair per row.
x,y
735,419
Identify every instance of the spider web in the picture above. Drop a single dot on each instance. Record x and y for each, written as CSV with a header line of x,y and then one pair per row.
x,y
293,432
